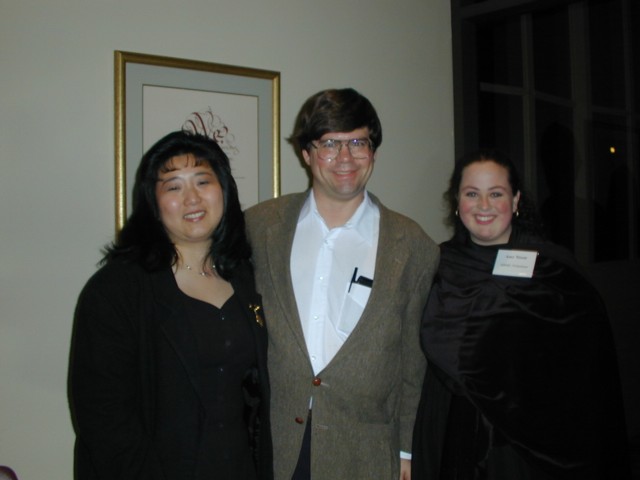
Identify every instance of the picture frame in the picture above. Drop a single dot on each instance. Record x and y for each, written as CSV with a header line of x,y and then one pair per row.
x,y
237,106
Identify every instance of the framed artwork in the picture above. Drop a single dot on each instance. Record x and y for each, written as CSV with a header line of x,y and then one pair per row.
x,y
238,107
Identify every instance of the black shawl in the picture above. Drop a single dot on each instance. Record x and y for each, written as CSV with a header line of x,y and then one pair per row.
x,y
534,356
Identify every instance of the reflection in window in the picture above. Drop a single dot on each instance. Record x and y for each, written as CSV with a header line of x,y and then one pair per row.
x,y
610,192
556,166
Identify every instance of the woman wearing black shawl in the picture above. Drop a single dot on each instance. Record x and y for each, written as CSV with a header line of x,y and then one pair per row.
x,y
522,380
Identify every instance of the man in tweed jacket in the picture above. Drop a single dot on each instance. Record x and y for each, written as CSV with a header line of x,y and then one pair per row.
x,y
344,281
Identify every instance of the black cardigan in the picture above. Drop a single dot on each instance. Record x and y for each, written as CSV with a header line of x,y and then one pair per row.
x,y
123,317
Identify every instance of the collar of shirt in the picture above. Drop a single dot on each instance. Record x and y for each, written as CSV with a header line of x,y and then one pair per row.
x,y
364,220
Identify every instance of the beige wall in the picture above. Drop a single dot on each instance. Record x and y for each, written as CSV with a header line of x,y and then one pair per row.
x,y
57,154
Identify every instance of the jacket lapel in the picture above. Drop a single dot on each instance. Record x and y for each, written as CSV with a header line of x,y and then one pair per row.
x,y
389,264
171,315
279,240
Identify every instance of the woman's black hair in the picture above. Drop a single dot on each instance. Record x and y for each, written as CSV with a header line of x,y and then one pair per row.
x,y
144,240
527,219
335,110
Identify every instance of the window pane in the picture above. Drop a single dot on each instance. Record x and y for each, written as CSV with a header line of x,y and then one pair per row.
x,y
500,125
555,172
551,52
607,53
610,188
499,56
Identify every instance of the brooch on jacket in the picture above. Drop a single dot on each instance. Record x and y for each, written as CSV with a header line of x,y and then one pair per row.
x,y
256,311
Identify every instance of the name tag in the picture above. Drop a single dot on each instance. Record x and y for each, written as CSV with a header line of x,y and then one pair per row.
x,y
515,263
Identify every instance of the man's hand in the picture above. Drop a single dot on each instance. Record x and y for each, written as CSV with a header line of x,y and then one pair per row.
x,y
405,469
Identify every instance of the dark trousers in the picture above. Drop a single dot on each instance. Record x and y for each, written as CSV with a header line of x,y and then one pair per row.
x,y
303,467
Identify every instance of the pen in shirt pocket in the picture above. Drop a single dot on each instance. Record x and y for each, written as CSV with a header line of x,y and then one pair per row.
x,y
364,281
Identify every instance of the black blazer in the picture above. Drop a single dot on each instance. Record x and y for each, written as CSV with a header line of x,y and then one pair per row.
x,y
133,361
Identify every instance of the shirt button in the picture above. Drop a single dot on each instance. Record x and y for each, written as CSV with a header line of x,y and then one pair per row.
x,y
299,420
317,382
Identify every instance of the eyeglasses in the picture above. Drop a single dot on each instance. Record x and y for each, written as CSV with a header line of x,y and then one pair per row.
x,y
330,149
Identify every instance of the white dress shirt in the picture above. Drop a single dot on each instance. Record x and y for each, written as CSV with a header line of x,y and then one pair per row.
x,y
322,263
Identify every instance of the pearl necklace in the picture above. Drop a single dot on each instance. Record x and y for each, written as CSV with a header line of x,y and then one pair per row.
x,y
201,273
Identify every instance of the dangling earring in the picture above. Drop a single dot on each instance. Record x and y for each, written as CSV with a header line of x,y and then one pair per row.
x,y
517,213
456,212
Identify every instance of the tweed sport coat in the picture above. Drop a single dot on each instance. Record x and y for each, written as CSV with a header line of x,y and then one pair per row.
x,y
365,400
